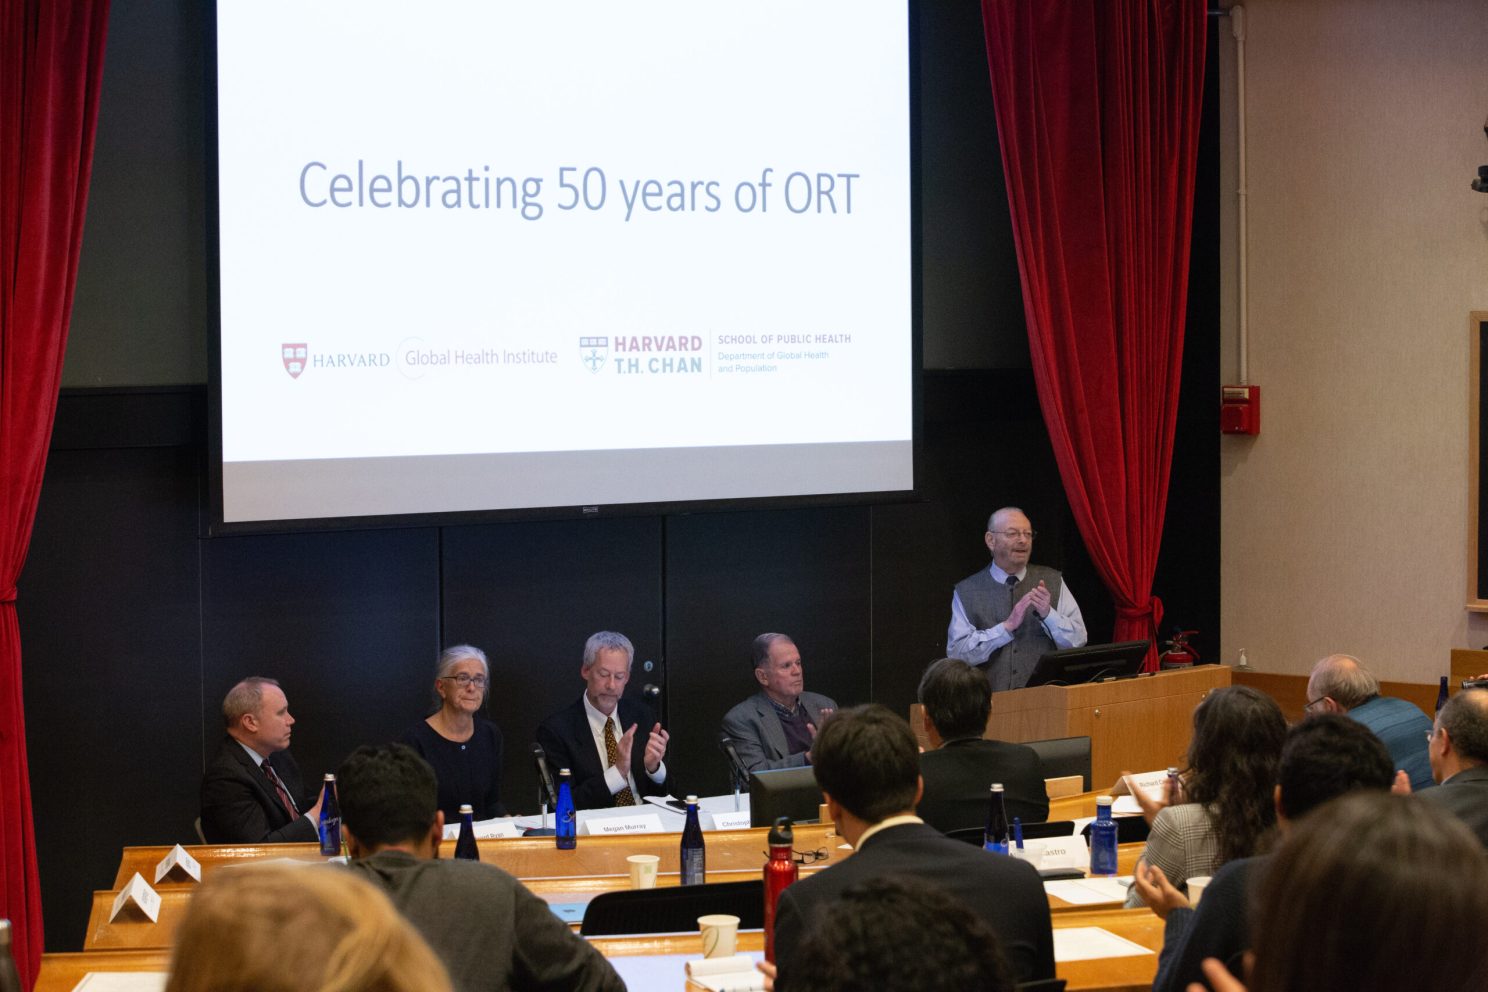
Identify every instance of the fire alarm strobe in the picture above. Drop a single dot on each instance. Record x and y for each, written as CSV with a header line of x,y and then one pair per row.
x,y
1240,410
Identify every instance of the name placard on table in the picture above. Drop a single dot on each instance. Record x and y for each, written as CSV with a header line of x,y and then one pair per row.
x,y
609,826
178,860
139,893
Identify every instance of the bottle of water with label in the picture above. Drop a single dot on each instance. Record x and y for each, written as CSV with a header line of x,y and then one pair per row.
x,y
565,819
330,819
693,858
466,849
1103,839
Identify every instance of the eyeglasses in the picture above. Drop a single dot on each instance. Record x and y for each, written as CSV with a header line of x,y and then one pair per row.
x,y
805,857
1430,735
1013,535
479,681
1307,708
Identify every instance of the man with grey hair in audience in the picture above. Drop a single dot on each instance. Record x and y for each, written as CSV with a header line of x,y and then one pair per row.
x,y
613,747
1340,683
1007,616
774,728
252,792
1459,759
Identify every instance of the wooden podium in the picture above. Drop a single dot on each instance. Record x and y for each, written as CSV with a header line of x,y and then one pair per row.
x,y
1134,725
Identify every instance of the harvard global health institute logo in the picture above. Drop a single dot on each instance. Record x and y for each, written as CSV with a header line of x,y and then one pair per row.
x,y
294,358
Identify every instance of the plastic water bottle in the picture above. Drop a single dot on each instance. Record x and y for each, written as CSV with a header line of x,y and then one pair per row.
x,y
330,819
466,849
693,856
565,819
1103,839
998,834
780,871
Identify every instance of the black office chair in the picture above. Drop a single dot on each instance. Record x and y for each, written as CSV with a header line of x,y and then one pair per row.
x,y
1062,756
673,910
1042,985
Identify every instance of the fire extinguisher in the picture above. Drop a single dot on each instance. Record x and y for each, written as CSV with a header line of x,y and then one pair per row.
x,y
1179,653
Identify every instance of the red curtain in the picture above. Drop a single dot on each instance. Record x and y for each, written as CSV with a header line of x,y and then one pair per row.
x,y
1098,106
51,63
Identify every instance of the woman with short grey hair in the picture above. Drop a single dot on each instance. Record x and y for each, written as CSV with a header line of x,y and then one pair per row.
x,y
463,747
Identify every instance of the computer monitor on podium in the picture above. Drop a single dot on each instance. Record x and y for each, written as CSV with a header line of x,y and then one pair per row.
x,y
1091,663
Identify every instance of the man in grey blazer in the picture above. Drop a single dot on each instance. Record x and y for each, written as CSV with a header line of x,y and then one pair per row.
x,y
774,728
1458,749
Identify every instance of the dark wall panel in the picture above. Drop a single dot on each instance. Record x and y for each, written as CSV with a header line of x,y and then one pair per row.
x,y
348,623
529,595
112,667
731,576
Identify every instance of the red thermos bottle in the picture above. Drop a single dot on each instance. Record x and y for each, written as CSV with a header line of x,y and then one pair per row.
x,y
780,871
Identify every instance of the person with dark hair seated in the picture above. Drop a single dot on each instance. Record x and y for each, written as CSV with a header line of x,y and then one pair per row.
x,y
487,928
1458,749
1371,893
866,761
1225,801
899,935
1323,758
959,772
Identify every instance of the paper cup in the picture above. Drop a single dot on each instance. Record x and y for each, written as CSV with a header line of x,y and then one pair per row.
x,y
643,870
720,935
1196,887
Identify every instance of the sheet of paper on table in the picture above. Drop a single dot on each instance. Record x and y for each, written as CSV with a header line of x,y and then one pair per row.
x,y
1089,891
122,981
1089,943
667,971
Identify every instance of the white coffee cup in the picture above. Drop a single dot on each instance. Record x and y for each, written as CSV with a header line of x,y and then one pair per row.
x,y
720,935
1196,887
643,870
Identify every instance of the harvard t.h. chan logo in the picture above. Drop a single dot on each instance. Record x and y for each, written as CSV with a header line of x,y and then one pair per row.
x,y
593,352
294,358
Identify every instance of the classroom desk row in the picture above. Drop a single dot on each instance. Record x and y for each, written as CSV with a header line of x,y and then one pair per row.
x,y
62,972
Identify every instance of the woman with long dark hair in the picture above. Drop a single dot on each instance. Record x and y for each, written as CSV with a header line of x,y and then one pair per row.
x,y
1226,803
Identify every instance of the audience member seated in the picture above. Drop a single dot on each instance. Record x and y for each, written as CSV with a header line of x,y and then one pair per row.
x,y
595,737
463,747
1341,684
866,761
1459,760
1324,757
959,772
487,928
1371,893
774,728
1225,802
899,935
252,792
287,928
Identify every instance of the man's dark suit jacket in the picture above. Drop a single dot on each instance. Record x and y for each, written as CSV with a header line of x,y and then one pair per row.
x,y
959,776
569,743
240,806
1466,796
1005,892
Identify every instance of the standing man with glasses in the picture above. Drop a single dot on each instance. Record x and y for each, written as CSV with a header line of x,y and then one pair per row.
x,y
611,745
1007,616
463,747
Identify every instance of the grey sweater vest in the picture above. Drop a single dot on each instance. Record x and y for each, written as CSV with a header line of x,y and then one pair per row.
x,y
988,602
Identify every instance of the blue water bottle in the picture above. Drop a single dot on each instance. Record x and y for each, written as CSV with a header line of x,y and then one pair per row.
x,y
693,858
466,849
1103,839
564,817
330,819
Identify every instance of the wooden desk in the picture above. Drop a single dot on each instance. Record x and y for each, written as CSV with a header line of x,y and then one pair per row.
x,y
60,972
524,857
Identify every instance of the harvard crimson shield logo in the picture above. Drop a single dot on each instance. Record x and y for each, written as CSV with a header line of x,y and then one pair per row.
x,y
294,358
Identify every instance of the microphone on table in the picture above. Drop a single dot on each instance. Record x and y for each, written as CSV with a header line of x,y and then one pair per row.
x,y
737,771
546,794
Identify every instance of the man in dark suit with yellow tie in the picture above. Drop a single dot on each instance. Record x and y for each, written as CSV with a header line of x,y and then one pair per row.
x,y
612,747
252,792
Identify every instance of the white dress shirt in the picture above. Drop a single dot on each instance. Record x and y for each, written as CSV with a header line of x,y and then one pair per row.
x,y
1064,625
619,778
